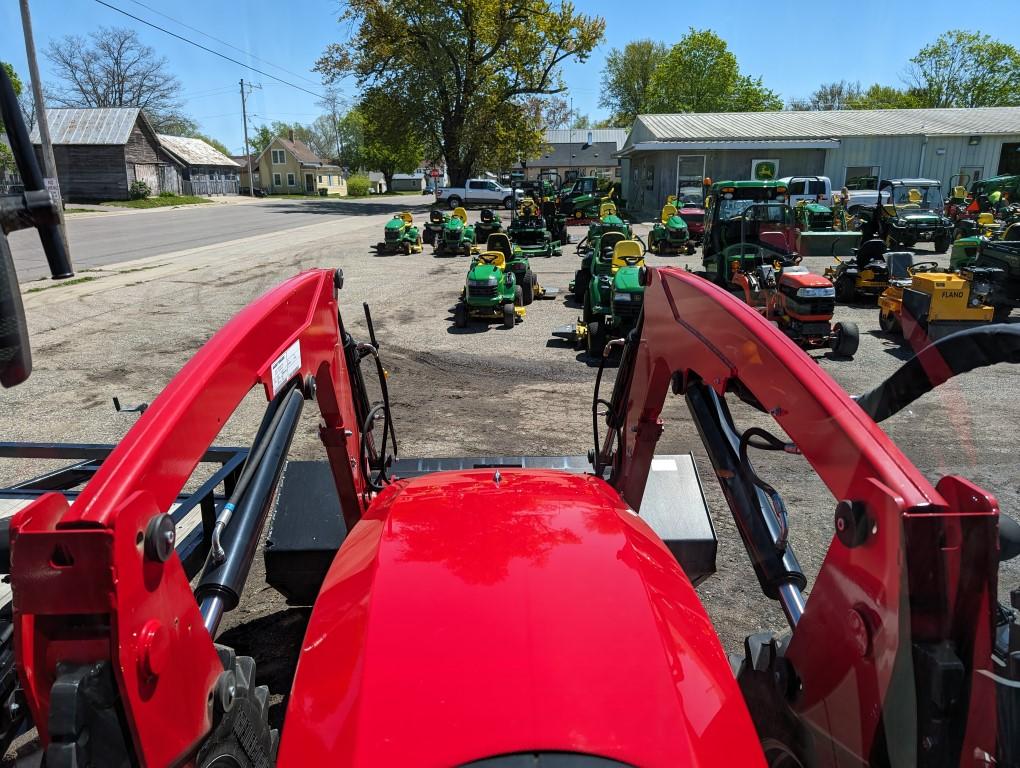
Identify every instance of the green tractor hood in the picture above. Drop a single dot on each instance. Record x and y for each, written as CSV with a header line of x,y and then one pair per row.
x,y
395,225
676,225
486,273
628,280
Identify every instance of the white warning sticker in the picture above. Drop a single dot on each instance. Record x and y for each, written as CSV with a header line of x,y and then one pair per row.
x,y
286,365
663,465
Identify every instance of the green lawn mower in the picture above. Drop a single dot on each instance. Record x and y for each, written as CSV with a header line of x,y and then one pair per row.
x,y
400,235
457,237
488,223
670,233
583,198
529,232
517,263
603,235
434,226
491,292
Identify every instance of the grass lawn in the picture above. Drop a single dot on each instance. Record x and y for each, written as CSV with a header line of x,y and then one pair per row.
x,y
160,202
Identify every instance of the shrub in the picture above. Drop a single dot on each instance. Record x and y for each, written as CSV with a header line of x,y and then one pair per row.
x,y
358,186
168,193
139,190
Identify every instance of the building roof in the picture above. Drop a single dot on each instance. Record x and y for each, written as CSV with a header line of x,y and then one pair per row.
x,y
95,125
301,152
242,160
827,124
587,135
564,155
194,151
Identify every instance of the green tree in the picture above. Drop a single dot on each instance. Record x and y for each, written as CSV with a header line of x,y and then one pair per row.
x,y
6,156
885,97
351,129
627,77
219,146
700,74
828,96
391,145
260,139
464,67
580,121
966,69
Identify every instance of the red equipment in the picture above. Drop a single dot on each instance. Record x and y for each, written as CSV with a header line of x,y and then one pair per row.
x,y
694,217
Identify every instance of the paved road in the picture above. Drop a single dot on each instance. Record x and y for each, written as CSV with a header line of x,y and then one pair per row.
x,y
109,238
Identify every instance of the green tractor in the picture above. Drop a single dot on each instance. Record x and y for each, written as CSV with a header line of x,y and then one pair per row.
x,y
488,223
670,233
434,226
529,231
491,292
612,304
824,231
457,237
583,198
400,235
603,235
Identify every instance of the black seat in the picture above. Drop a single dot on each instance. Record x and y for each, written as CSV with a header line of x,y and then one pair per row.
x,y
869,251
608,243
486,214
498,241
549,209
436,217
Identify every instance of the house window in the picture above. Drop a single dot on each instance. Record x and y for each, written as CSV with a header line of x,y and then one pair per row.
x,y
862,176
320,180
290,180
276,180
1009,159
279,157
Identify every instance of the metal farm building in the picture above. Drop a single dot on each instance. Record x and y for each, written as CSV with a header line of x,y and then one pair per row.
x,y
667,152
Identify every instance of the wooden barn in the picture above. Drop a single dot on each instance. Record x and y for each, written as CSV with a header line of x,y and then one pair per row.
x,y
101,151
204,169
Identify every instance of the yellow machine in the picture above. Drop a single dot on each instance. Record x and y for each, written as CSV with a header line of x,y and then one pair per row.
x,y
927,304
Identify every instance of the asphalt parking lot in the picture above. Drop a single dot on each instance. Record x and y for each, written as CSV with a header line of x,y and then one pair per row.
x,y
481,390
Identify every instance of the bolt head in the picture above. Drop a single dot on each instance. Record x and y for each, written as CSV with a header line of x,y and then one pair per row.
x,y
160,538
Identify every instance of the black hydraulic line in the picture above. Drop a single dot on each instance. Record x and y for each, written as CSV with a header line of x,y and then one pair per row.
x,y
221,584
750,506
940,361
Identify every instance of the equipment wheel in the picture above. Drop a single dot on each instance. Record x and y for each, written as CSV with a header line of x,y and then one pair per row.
x,y
242,738
453,202
887,321
595,340
429,237
581,278
586,311
845,339
509,316
518,296
528,288
1001,313
845,290
460,316
941,244
407,248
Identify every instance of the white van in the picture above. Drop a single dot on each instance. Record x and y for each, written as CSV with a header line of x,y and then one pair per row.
x,y
808,188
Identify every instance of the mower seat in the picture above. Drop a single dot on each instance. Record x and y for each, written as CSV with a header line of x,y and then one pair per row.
x,y
870,250
628,253
486,215
436,217
495,258
774,240
668,212
607,209
986,219
608,243
460,213
671,200
914,196
406,217
548,209
959,193
498,242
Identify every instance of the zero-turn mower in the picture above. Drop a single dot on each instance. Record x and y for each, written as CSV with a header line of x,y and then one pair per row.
x,y
433,230
488,223
457,236
865,274
530,232
491,292
401,235
670,233
504,610
925,304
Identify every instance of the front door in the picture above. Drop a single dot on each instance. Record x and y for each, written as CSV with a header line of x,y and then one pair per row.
x,y
309,183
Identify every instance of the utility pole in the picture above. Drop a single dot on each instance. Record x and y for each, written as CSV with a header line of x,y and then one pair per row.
x,y
247,152
49,162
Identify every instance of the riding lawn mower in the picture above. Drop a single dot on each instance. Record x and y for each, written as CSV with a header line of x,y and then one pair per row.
x,y
488,223
670,233
457,237
400,235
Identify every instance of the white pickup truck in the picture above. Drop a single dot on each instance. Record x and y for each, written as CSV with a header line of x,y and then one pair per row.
x,y
483,192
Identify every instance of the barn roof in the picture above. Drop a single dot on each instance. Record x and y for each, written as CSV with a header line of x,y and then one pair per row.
x,y
95,125
194,151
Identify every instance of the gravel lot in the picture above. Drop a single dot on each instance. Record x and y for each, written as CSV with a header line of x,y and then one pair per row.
x,y
127,333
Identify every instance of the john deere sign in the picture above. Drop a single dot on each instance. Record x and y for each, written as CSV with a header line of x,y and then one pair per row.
x,y
764,170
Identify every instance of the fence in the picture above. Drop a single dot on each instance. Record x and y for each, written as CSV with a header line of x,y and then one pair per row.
x,y
210,187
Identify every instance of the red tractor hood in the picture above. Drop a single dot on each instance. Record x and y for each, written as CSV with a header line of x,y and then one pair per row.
x,y
467,617
801,278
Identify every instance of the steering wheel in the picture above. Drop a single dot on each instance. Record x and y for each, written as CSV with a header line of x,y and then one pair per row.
x,y
923,266
486,258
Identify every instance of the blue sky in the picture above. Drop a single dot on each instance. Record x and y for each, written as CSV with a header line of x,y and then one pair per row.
x,y
792,45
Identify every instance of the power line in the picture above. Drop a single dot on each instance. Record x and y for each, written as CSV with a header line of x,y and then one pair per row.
x,y
208,50
223,42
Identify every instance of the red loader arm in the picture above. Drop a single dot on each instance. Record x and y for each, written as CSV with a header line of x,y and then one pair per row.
x,y
94,582
891,657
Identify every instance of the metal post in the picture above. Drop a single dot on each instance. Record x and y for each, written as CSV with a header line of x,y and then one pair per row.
x,y
247,152
49,162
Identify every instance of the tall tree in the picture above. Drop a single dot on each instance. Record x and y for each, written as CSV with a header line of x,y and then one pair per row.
x,y
6,156
885,97
391,144
966,69
700,74
351,128
465,66
829,96
112,67
260,139
581,121
627,77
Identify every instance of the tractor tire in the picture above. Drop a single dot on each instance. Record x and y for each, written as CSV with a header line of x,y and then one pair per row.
x,y
242,738
888,322
941,244
407,249
1001,313
581,278
508,203
845,339
586,312
846,292
518,296
429,237
595,340
453,202
509,316
460,316
528,288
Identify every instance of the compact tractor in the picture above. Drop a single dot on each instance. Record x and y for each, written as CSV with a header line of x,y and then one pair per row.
x,y
603,234
824,232
909,211
530,232
433,231
670,233
505,611
488,223
401,235
866,273
924,303
457,236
